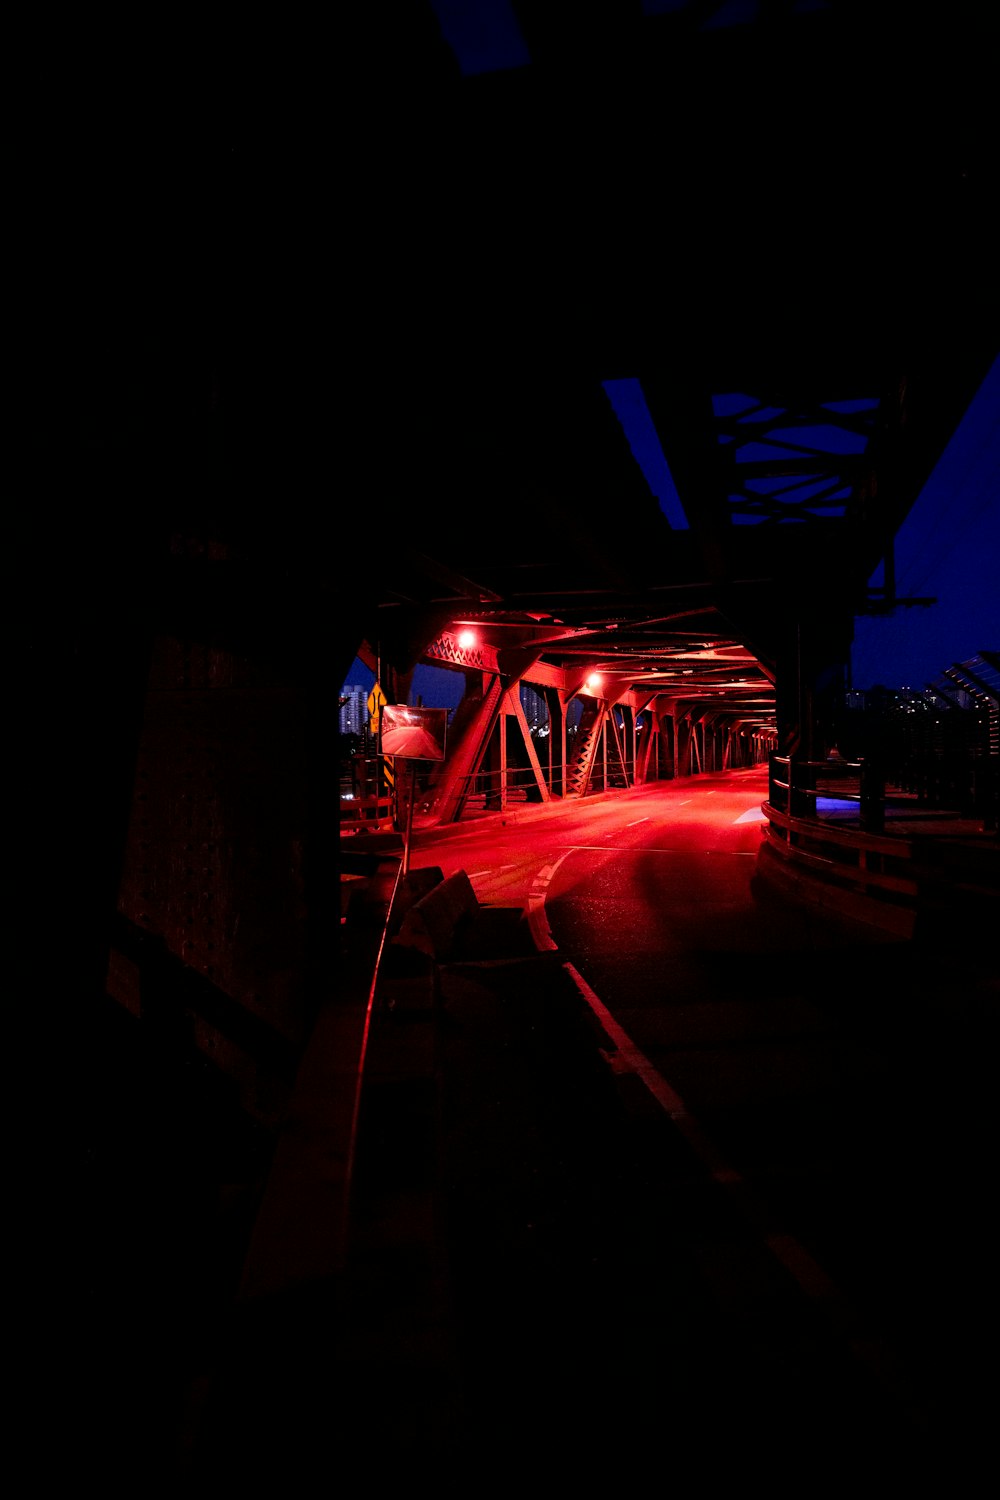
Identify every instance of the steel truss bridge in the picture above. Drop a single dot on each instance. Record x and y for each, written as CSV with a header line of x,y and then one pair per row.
x,y
629,349
666,323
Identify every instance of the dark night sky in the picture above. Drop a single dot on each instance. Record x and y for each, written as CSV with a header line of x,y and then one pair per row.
x,y
947,549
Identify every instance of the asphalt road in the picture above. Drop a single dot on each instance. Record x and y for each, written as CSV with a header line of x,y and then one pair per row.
x,y
816,1097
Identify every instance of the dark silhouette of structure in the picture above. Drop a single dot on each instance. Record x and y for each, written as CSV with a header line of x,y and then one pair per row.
x,y
324,359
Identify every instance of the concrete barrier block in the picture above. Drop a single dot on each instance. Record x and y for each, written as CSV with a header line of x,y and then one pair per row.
x,y
433,924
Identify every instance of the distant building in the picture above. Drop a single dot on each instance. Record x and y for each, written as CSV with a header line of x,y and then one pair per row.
x,y
353,709
535,709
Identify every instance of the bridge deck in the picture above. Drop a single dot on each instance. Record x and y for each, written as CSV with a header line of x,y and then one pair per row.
x,y
541,1268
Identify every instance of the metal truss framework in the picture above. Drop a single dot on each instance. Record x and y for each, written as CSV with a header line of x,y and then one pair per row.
x,y
689,321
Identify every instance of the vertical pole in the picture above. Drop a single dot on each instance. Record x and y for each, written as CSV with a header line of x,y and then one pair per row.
x,y
872,795
409,818
502,727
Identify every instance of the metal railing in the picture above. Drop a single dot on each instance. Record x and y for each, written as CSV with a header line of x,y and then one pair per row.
x,y
845,856
365,795
796,787
965,787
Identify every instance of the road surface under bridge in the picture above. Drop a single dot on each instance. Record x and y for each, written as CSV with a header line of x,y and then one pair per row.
x,y
679,1166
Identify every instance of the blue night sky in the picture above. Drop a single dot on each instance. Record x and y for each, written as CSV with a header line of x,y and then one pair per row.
x,y
948,549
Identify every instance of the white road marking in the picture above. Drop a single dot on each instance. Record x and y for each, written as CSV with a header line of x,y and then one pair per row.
x,y
752,815
627,1058
806,1272
657,849
538,921
603,849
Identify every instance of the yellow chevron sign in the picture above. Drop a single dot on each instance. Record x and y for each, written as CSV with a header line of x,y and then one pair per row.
x,y
376,703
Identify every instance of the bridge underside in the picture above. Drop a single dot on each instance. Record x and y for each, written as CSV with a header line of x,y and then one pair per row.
x,y
663,334
590,730
632,357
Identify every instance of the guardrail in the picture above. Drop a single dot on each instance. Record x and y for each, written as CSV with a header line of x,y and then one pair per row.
x,y
368,803
892,878
795,787
301,1231
365,794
